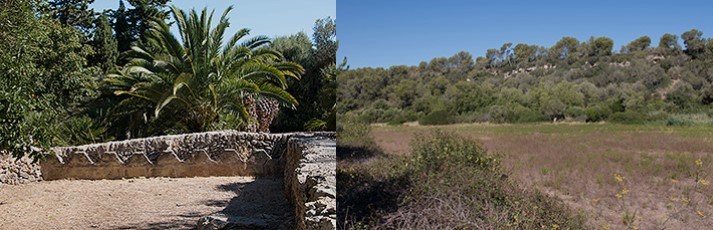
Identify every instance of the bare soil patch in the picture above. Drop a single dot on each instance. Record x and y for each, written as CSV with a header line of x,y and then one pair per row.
x,y
145,203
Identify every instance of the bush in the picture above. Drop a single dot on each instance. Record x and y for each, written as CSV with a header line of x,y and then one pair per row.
x,y
498,114
381,115
574,112
674,121
352,131
597,113
531,116
628,117
438,117
405,116
658,116
442,150
81,131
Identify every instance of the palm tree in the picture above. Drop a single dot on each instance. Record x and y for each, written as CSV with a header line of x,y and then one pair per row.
x,y
200,79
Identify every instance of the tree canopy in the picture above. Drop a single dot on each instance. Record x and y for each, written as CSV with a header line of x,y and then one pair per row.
x,y
70,75
572,80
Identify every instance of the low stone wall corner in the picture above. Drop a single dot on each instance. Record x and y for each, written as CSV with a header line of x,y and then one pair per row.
x,y
310,180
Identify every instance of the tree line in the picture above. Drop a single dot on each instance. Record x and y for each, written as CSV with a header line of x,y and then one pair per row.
x,y
585,81
70,75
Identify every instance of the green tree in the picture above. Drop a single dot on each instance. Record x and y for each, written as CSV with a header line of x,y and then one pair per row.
x,y
669,42
122,27
460,64
682,95
325,42
75,13
639,44
565,49
21,32
133,24
104,45
318,84
695,44
404,93
493,57
43,77
602,46
202,79
524,54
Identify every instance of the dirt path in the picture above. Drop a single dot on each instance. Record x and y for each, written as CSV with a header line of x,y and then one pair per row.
x,y
153,203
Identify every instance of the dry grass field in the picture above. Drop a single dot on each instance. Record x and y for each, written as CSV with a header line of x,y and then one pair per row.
x,y
618,176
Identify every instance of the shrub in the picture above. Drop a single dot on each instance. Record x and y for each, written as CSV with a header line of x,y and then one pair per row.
x,y
531,116
371,115
597,113
498,113
352,131
628,117
405,116
80,131
438,117
675,121
443,150
658,116
574,112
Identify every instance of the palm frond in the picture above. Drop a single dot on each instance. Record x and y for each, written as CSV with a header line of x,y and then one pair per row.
x,y
279,94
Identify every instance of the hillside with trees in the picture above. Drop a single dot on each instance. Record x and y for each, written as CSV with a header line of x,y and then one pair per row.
x,y
669,80
70,75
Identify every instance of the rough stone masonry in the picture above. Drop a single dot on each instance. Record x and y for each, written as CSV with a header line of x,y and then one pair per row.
x,y
310,181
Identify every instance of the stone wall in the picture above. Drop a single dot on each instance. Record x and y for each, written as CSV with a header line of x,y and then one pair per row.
x,y
18,171
310,180
221,153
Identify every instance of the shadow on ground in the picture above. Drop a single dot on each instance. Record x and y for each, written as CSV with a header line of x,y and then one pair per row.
x,y
186,221
261,200
354,153
361,198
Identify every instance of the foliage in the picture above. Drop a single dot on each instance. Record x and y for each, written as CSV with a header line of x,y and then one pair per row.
x,y
74,13
442,150
104,43
315,91
352,131
571,81
132,25
628,117
55,56
202,79
44,77
438,117
80,131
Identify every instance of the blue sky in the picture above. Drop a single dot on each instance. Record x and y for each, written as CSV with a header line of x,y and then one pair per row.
x,y
381,33
271,18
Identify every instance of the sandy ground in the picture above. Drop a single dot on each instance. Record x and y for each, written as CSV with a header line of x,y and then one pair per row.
x,y
145,203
